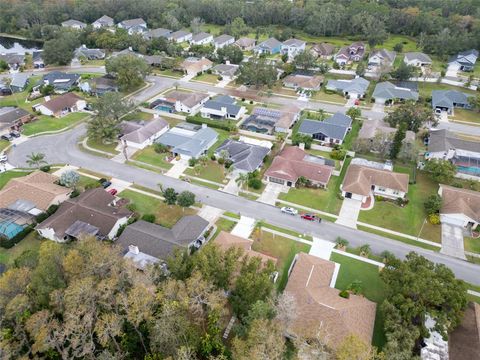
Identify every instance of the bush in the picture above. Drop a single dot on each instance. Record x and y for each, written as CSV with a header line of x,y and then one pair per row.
x,y
344,294
221,160
228,163
92,185
338,154
52,209
341,242
101,180
192,162
255,183
211,123
74,193
9,243
434,219
213,157
45,168
132,207
160,148
457,185
433,204
41,217
148,218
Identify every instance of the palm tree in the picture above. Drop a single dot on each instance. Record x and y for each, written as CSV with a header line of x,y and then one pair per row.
x,y
36,159
242,179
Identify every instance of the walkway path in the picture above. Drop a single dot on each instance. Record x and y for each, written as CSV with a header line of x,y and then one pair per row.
x,y
271,193
322,248
177,169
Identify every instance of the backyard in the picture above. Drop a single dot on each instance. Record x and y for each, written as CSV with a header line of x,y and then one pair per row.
x,y
467,116
31,243
150,156
426,88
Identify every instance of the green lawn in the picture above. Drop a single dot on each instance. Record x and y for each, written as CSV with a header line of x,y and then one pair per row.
x,y
411,218
231,214
204,184
222,136
352,135
209,78
86,181
426,88
373,288
280,248
138,115
6,176
171,73
212,171
287,231
149,156
47,123
109,148
165,215
471,244
323,96
31,242
467,115
3,144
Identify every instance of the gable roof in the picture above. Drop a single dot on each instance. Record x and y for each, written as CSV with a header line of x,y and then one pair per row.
x,y
359,180
358,85
59,78
9,115
195,64
133,22
294,42
247,157
38,188
387,90
72,22
61,102
223,101
448,98
385,54
245,42
304,81
419,56
443,141
460,201
271,43
372,127
189,99
178,34
468,57
144,132
201,36
319,304
335,127
226,69
19,80
323,49
464,341
191,143
159,32
222,39
104,20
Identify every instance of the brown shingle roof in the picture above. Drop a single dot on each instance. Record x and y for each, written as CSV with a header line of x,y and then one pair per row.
x,y
460,201
289,114
318,304
38,187
61,102
304,81
359,180
464,341
187,98
196,65
323,49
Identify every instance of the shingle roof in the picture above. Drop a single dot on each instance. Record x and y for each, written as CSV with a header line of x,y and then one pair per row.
x,y
245,157
196,65
323,49
294,42
191,143
201,36
245,42
460,201
304,81
145,131
159,32
387,90
105,20
270,43
60,80
223,101
133,22
385,54
187,98
226,69
179,34
358,85
447,98
372,127
9,115
443,140
19,80
61,102
335,127
72,22
424,58
222,39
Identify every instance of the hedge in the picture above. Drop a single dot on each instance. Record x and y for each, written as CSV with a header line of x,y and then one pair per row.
x,y
222,124
9,243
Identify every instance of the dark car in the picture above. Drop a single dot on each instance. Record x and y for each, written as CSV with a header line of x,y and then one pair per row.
x,y
106,184
7,137
15,134
310,217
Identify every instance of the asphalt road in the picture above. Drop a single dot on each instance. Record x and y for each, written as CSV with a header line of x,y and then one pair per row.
x,y
62,148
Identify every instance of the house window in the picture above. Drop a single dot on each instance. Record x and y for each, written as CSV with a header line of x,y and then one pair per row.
x,y
276,181
381,189
396,192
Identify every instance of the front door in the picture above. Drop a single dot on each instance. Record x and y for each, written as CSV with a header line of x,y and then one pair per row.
x,y
348,195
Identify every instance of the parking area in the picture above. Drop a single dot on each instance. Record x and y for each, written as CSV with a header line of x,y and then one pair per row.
x,y
452,241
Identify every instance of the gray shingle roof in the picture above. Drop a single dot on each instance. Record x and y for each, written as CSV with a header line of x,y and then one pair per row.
x,y
387,90
247,157
219,40
270,44
72,22
223,101
424,58
387,55
144,132
156,33
358,85
105,21
335,127
294,42
61,80
200,36
448,98
190,144
19,80
443,140
226,69
133,22
178,34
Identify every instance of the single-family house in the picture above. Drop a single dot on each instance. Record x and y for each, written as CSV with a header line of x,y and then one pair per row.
x,y
33,193
355,52
180,36
13,60
202,38
353,89
271,46
94,212
382,57
329,131
269,121
311,282
19,82
226,71
292,163
304,82
13,117
154,60
139,135
181,101
323,50
103,22
464,340
222,41
460,207
61,82
463,61
417,59
188,140
195,66
246,44
74,24
388,93
245,157
222,107
448,100
124,52
61,105
145,243
133,26
362,182
89,54
293,47
157,33
99,85
372,128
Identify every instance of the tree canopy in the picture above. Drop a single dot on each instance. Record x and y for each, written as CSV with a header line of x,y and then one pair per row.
x,y
129,70
413,115
257,72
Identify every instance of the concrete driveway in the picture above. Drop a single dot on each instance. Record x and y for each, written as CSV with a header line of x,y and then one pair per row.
x,y
452,241
244,227
271,192
349,213
178,168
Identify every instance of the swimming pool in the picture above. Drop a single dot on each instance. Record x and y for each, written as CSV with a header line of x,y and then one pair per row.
x,y
9,229
473,170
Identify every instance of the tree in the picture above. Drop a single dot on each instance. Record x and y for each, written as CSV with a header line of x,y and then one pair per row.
x,y
70,179
433,204
230,53
3,65
323,68
242,179
298,139
361,69
36,160
304,60
257,72
59,51
404,72
354,112
414,115
238,28
170,196
474,102
129,70
352,347
442,171
186,199
196,25
398,140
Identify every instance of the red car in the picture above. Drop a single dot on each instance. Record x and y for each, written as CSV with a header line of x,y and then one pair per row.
x,y
310,217
113,192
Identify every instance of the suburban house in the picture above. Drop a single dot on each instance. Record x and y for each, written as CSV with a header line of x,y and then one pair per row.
x,y
226,71
19,82
323,50
371,128
14,61
304,82
154,60
181,101
133,26
417,59
99,85
387,93
195,66
61,105
202,38
188,140
61,82
382,57
89,54
33,193
448,100
12,117
139,135
94,212
269,121
145,243
74,24
180,36
246,44
329,131
271,46
13,222
347,54
157,33
463,61
464,154
103,22
464,340
223,40
124,52
353,89
364,181
222,107
245,157
460,207
292,163
293,47
311,282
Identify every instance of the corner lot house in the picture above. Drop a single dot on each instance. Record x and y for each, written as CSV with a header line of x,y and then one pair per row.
x,y
417,59
201,38
460,207
305,82
362,181
371,128
189,140
103,22
226,71
463,61
180,36
246,44
329,131
61,82
355,52
195,66
382,57
93,213
74,24
245,157
99,85
222,107
323,50
311,284
388,93
146,243
157,33
293,47
292,163
61,105
140,135
353,89
223,40
448,100
13,117
133,26
271,46
181,101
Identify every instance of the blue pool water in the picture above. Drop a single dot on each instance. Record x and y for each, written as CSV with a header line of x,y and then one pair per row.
x,y
163,108
9,230
469,170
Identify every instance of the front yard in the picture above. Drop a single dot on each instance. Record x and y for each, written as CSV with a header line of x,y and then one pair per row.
x,y
169,73
471,244
323,96
149,156
467,116
3,144
99,145
208,78
47,123
212,171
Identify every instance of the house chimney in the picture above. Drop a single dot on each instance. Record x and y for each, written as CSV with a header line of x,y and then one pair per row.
x,y
133,249
301,146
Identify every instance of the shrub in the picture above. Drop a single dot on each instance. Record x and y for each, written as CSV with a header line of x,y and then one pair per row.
x,y
344,294
213,157
433,204
221,160
457,184
255,183
355,287
102,180
251,102
228,126
434,219
192,162
338,154
149,218
9,243
52,209
341,242
45,168
160,148
365,250
41,217
74,193
228,163
132,207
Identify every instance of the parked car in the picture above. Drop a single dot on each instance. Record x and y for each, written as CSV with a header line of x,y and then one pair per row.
x,y
113,192
7,137
106,184
289,210
3,158
15,134
310,217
